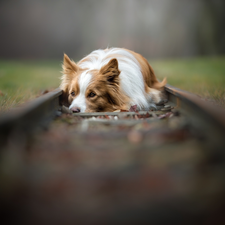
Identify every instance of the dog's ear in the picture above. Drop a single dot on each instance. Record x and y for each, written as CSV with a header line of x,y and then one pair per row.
x,y
111,70
70,70
69,67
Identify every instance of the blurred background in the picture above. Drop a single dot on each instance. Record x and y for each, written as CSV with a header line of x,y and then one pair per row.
x,y
43,29
58,173
183,41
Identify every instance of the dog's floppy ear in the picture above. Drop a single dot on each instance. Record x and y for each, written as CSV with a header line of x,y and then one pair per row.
x,y
111,70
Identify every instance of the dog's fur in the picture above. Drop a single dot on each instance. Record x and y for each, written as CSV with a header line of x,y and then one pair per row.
x,y
109,80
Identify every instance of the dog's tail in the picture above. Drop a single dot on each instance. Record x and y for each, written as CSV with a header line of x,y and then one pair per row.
x,y
160,85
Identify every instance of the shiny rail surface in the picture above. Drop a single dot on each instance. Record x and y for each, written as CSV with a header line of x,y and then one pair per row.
x,y
206,117
35,114
156,167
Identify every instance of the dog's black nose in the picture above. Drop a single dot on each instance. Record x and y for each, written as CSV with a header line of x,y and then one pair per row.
x,y
75,109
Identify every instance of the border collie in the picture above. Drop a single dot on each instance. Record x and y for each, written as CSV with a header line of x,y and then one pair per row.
x,y
109,80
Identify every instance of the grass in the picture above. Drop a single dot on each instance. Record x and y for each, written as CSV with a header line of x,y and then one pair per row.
x,y
203,76
21,81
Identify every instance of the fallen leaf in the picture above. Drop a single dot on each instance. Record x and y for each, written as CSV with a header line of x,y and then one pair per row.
x,y
166,115
107,117
147,115
133,108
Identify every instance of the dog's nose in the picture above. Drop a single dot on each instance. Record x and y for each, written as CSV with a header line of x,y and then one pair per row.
x,y
75,109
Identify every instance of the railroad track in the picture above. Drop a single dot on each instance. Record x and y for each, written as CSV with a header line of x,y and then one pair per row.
x,y
165,166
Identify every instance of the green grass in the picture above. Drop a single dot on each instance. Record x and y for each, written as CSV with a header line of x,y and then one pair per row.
x,y
203,76
21,81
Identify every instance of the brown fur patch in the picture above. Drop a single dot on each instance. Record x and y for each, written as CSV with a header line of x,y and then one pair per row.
x,y
148,73
106,85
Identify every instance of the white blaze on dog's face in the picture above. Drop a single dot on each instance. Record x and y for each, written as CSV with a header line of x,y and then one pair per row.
x,y
91,90
79,99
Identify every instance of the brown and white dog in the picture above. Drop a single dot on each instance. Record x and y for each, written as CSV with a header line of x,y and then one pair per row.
x,y
109,80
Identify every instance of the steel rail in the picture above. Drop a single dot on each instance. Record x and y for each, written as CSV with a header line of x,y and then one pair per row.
x,y
34,114
195,104
205,116
39,112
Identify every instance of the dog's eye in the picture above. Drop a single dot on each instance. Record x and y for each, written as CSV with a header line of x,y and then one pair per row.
x,y
72,93
91,95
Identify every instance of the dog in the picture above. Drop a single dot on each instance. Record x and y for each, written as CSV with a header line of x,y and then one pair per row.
x,y
110,80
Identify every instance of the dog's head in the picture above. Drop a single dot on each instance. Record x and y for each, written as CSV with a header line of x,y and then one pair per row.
x,y
87,90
